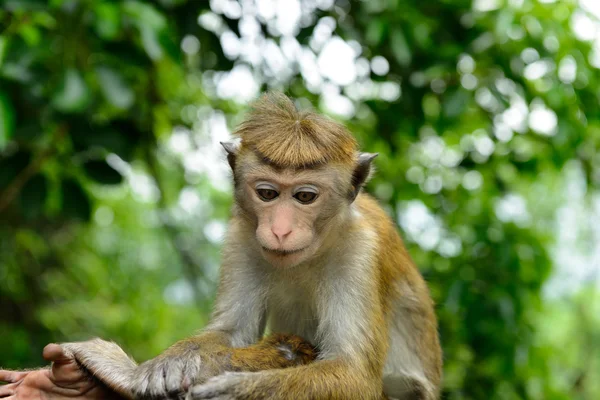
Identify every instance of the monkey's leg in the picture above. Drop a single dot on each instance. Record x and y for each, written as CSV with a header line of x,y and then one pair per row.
x,y
272,352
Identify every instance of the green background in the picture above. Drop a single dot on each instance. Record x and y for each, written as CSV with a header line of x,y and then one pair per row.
x,y
114,193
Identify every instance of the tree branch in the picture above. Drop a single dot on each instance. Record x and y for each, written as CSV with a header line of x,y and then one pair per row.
x,y
15,187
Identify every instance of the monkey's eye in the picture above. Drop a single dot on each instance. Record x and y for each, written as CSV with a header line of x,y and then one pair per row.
x,y
267,194
305,197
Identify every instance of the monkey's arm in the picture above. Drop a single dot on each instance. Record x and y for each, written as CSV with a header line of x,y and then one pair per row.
x,y
353,348
237,322
108,363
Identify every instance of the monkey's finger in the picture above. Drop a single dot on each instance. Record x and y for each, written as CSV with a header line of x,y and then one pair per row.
x,y
215,388
11,376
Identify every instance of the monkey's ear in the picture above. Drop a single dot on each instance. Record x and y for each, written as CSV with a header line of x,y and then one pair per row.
x,y
231,148
362,172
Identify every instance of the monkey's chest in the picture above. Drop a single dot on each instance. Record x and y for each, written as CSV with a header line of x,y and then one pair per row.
x,y
291,308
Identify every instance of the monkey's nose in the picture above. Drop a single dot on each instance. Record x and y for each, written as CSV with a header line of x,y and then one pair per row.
x,y
281,233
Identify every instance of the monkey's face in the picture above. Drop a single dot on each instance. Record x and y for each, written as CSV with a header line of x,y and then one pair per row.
x,y
291,209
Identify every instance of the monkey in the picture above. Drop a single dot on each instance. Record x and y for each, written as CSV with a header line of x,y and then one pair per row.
x,y
308,252
98,369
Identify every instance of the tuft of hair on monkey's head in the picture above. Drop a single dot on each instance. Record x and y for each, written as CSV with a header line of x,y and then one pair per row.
x,y
285,136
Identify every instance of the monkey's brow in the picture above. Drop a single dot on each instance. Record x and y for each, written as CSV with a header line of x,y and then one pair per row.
x,y
279,167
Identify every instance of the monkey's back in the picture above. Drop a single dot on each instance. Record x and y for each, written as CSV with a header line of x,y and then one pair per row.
x,y
405,300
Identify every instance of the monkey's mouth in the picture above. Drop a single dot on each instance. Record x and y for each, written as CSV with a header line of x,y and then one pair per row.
x,y
282,252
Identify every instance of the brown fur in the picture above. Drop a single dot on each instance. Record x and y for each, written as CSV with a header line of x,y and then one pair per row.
x,y
273,352
395,265
285,136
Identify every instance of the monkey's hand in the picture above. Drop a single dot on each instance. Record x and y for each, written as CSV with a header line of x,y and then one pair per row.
x,y
171,373
231,386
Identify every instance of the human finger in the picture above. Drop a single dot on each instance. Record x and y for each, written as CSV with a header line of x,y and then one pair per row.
x,y
56,353
11,376
7,390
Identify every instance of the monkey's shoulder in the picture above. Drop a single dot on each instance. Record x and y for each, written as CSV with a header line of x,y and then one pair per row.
x,y
374,215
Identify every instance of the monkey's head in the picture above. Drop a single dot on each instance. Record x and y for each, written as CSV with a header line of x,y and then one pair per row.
x,y
296,176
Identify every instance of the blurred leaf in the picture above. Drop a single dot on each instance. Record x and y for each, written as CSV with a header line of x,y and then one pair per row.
x,y
150,24
145,15
108,20
11,166
73,94
30,5
30,34
44,19
115,88
3,48
101,172
33,196
118,137
7,119
151,43
375,32
28,130
75,201
169,46
455,102
399,47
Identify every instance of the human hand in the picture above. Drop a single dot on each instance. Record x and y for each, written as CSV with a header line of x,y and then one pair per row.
x,y
63,380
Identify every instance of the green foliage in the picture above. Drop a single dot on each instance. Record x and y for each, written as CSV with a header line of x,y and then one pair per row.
x,y
113,197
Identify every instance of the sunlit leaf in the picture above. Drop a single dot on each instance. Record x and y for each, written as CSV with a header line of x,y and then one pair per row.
x,y
151,43
73,94
115,88
30,34
108,20
145,15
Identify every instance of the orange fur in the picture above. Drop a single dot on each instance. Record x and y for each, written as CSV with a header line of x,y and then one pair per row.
x,y
284,136
394,265
274,351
